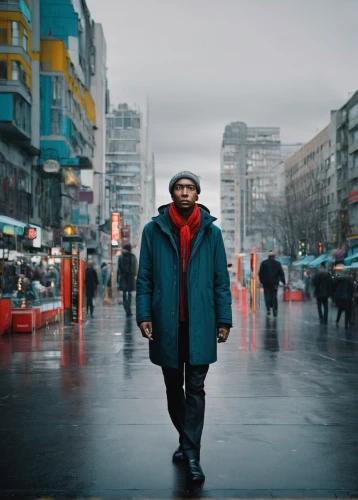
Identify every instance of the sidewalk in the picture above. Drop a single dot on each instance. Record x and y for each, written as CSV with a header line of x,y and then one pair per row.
x,y
84,413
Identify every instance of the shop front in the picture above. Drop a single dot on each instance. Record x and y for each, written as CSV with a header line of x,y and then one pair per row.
x,y
39,289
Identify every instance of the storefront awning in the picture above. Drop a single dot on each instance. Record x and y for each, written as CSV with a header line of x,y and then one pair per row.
x,y
305,261
11,226
348,260
322,258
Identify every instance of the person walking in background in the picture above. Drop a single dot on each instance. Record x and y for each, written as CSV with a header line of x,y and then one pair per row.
x,y
308,284
184,307
105,277
126,276
91,281
343,297
322,286
270,275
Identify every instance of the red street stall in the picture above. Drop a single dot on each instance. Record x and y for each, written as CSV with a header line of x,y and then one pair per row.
x,y
42,289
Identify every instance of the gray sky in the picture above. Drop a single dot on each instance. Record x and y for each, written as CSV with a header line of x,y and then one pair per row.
x,y
205,63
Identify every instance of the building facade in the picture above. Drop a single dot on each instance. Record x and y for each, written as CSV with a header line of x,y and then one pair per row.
x,y
68,114
19,119
52,59
250,159
307,189
130,171
344,211
93,181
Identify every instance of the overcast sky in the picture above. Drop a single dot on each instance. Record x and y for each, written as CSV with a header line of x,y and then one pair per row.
x,y
206,63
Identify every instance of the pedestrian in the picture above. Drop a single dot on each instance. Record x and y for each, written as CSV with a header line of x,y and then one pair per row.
x,y
91,281
270,275
126,276
105,279
322,285
184,307
343,296
308,284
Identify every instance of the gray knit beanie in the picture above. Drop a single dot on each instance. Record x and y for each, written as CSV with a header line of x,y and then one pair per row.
x,y
184,175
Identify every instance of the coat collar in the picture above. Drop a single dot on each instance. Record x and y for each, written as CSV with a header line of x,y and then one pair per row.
x,y
163,219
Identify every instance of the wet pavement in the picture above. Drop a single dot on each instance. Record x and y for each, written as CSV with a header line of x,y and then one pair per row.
x,y
83,412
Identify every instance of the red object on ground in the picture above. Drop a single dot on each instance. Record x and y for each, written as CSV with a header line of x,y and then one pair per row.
x,y
5,316
293,295
23,320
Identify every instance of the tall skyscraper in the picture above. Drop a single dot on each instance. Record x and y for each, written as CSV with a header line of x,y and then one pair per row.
x,y
130,173
249,158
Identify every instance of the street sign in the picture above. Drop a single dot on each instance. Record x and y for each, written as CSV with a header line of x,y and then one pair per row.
x,y
51,166
115,228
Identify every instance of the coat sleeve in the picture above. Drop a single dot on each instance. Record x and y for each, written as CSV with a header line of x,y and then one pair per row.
x,y
282,274
144,286
222,291
261,273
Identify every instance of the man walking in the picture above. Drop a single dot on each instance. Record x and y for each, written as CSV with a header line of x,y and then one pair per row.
x,y
91,280
184,307
270,275
126,275
322,285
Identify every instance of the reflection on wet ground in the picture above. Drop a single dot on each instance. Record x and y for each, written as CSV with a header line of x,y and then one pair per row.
x,y
83,411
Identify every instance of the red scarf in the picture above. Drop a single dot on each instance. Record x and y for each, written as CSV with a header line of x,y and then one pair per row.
x,y
187,230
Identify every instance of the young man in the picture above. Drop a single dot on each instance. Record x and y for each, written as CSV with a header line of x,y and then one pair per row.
x,y
184,307
270,275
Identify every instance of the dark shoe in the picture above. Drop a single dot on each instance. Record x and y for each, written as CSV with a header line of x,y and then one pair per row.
x,y
275,313
194,471
178,455
321,321
268,312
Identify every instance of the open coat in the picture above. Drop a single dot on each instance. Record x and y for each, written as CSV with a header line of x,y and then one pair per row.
x,y
158,290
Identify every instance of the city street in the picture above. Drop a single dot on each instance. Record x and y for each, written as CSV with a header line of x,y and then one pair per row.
x,y
83,413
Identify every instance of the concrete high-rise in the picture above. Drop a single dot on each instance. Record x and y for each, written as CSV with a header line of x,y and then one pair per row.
x,y
249,159
130,171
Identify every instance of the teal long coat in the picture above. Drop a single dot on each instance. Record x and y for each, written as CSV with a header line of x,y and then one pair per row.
x,y
158,290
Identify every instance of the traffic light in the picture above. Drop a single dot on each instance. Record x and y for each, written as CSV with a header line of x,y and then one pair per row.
x,y
302,249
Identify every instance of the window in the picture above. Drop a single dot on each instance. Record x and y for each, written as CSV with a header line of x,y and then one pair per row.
x,y
3,36
22,114
15,33
353,112
3,70
15,70
55,121
25,40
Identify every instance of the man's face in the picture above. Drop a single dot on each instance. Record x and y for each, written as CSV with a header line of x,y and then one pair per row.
x,y
184,194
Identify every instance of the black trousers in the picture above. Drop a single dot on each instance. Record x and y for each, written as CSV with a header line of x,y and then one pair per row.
x,y
323,301
90,305
127,302
186,408
347,313
270,297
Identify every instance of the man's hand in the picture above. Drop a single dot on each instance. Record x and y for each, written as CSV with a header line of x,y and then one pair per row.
x,y
146,329
223,334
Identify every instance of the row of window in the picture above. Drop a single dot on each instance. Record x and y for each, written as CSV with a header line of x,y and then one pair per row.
x,y
18,39
17,71
124,122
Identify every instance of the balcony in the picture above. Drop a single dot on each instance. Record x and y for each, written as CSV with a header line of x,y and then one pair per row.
x,y
353,172
353,123
342,144
15,120
353,147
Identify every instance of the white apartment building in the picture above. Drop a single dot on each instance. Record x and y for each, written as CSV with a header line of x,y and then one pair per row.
x,y
130,171
250,169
